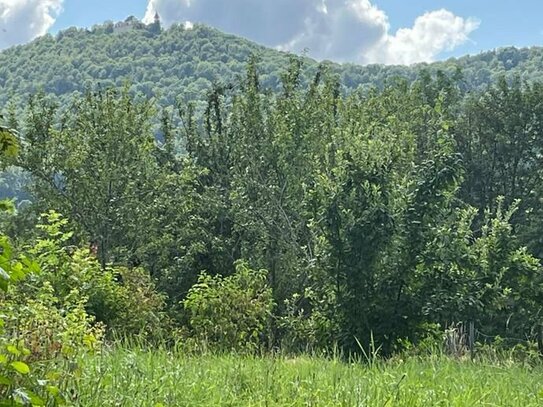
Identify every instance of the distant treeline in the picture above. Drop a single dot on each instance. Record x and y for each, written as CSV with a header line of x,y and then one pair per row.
x,y
185,63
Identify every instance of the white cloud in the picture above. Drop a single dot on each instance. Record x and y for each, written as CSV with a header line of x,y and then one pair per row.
x,y
24,20
432,33
342,30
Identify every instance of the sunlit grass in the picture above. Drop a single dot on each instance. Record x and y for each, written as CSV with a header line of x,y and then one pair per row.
x,y
125,377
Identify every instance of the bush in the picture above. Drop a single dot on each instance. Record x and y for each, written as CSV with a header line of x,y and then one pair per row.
x,y
123,299
231,313
36,327
47,325
486,278
307,325
141,307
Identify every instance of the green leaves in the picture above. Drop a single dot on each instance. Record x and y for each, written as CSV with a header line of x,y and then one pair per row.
x,y
12,270
351,204
8,143
13,350
5,278
20,367
105,170
5,381
231,313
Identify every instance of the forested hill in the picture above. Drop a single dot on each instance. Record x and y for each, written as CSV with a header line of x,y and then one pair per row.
x,y
180,62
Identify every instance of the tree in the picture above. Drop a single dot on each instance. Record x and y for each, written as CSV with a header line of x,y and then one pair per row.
x,y
96,166
499,136
9,148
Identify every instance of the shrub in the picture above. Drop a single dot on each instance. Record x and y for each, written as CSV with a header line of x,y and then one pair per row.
x,y
47,325
307,325
123,299
231,313
141,309
35,327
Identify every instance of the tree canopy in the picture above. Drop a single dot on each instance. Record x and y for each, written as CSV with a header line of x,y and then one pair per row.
x,y
373,215
184,63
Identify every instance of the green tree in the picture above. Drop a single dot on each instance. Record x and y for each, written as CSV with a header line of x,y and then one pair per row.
x,y
95,163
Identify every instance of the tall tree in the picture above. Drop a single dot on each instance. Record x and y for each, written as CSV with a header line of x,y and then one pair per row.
x,y
95,163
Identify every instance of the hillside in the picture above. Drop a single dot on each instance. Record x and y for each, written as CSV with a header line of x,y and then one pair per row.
x,y
180,62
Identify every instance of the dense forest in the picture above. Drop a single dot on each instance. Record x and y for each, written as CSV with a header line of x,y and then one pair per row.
x,y
183,63
284,214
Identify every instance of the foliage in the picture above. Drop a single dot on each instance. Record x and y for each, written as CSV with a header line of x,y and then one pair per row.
x,y
9,148
231,313
487,279
122,193
19,384
307,324
95,167
37,326
499,137
184,63
123,299
49,309
365,209
8,143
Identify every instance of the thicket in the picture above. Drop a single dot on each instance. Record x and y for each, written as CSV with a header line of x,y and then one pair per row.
x,y
56,303
302,220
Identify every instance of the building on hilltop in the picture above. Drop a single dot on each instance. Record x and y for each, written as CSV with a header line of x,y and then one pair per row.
x,y
131,23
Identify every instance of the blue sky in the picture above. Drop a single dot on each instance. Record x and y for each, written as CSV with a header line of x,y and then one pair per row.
x,y
503,22
362,31
85,13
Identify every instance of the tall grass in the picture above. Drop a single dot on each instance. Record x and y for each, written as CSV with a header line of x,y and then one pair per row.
x,y
158,377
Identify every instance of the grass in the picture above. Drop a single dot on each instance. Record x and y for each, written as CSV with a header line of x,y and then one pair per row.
x,y
123,377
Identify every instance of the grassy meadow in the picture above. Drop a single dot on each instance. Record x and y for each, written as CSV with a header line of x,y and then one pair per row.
x,y
157,378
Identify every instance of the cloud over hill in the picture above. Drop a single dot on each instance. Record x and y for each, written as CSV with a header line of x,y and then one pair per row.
x,y
341,30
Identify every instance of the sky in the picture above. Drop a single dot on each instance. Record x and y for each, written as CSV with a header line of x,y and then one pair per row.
x,y
359,31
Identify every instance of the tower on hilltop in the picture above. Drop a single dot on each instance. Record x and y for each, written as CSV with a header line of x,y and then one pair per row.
x,y
156,27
